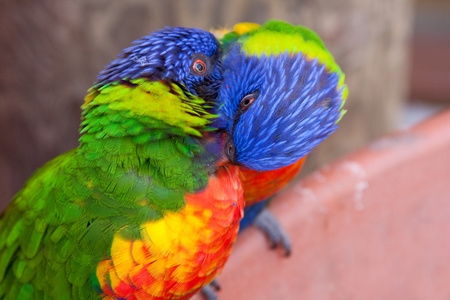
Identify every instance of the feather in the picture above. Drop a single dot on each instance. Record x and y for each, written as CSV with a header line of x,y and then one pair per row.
x,y
141,159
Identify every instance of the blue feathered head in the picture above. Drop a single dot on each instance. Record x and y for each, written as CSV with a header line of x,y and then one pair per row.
x,y
187,56
276,107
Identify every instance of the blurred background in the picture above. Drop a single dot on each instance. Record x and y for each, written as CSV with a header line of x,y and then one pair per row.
x,y
395,53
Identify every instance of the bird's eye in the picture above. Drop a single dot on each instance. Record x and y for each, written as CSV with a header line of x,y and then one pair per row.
x,y
247,100
200,64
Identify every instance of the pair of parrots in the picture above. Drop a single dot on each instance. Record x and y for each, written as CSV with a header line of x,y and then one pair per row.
x,y
174,133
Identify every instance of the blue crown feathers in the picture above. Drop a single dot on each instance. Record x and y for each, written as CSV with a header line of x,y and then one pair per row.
x,y
166,54
298,106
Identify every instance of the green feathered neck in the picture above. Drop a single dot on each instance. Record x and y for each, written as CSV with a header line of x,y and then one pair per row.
x,y
132,125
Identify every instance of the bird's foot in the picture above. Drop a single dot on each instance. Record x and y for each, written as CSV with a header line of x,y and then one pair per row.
x,y
209,291
277,236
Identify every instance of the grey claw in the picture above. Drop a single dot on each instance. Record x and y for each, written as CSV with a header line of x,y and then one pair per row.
x,y
209,291
268,224
215,284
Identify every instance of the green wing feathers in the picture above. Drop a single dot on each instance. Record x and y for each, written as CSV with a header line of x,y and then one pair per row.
x,y
47,209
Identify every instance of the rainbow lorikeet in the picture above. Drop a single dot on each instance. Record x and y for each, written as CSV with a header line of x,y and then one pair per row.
x,y
281,96
138,210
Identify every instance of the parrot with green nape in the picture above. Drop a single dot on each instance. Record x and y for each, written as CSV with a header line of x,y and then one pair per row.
x,y
140,209
282,95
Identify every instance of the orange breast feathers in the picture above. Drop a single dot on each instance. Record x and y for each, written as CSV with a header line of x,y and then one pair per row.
x,y
261,185
181,252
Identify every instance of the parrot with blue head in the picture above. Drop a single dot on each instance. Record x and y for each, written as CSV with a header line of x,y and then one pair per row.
x,y
281,96
139,210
